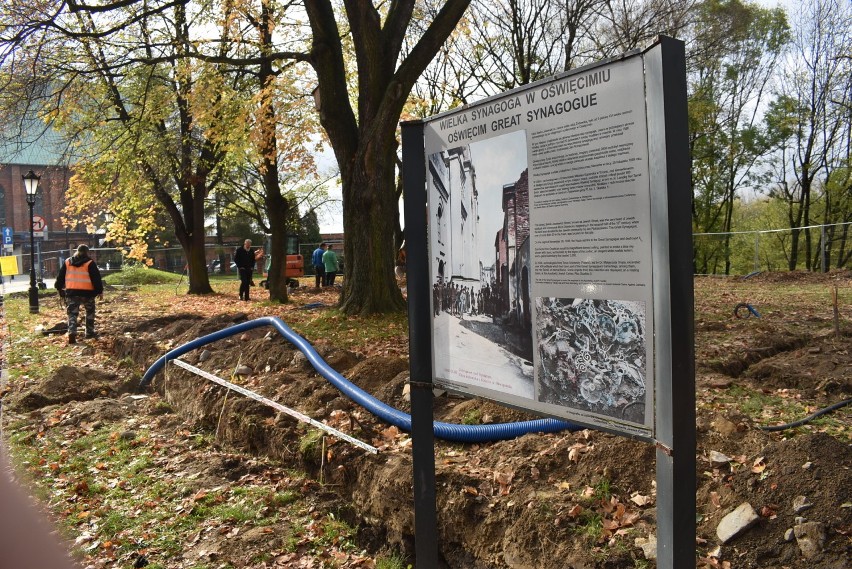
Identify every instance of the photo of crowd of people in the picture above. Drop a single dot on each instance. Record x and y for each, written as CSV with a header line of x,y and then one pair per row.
x,y
461,300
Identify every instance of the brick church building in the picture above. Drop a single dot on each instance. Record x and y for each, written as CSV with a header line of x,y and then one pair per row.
x,y
44,159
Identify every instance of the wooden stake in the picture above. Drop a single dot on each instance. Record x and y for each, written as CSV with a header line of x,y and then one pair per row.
x,y
836,312
322,460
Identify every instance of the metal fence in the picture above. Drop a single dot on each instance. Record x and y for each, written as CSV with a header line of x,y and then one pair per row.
x,y
735,253
745,252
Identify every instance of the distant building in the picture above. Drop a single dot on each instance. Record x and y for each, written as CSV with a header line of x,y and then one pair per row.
x,y
44,156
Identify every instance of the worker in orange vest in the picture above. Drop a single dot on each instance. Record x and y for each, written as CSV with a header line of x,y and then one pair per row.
x,y
79,282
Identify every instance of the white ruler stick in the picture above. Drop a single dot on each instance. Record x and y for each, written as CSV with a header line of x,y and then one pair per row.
x,y
275,405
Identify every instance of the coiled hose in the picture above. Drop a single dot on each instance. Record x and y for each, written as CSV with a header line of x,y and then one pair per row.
x,y
807,419
400,419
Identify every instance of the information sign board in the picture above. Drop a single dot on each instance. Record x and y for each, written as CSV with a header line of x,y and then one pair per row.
x,y
540,248
554,272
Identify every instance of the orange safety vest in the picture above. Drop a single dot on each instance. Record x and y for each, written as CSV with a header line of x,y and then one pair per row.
x,y
77,278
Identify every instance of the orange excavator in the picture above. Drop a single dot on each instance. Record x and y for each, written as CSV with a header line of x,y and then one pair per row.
x,y
295,262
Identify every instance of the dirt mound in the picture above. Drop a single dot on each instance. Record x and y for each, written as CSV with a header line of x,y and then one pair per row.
x,y
822,365
788,483
575,500
583,498
71,383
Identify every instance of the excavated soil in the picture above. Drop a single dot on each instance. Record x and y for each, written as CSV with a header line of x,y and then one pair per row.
x,y
571,500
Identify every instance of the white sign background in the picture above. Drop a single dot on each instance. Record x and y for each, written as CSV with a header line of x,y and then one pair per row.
x,y
540,247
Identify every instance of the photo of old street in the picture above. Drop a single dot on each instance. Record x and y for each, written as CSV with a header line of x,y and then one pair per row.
x,y
480,265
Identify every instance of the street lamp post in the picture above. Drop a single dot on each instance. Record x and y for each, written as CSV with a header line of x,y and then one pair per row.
x,y
30,187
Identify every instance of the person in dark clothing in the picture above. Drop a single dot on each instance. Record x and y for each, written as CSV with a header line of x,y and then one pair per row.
x,y
79,282
244,259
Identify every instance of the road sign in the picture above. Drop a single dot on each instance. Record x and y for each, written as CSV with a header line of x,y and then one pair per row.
x,y
8,234
9,266
39,223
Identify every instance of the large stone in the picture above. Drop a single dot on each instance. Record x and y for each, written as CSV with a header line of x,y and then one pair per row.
x,y
800,504
649,546
811,538
742,518
718,459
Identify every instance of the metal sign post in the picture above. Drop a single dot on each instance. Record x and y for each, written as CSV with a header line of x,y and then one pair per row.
x,y
419,346
671,198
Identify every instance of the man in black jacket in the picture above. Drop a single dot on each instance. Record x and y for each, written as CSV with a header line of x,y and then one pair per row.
x,y
244,259
79,282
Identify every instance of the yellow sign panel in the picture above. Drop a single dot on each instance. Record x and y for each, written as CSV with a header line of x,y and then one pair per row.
x,y
9,266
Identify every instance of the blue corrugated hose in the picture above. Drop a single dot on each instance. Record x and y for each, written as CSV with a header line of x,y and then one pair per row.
x,y
446,431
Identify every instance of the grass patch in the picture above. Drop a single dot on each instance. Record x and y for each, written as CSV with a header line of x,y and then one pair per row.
x,y
762,407
472,417
138,274
603,490
393,561
590,526
349,331
310,445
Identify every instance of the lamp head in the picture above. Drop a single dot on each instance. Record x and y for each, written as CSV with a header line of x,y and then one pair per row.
x,y
31,184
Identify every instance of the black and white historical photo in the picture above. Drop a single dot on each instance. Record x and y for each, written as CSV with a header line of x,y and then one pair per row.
x,y
593,355
480,264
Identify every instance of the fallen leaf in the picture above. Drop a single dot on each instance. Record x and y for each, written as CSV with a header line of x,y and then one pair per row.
x,y
640,499
610,525
503,478
630,518
715,500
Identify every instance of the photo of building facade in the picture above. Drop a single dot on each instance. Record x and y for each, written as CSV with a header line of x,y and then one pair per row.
x,y
480,263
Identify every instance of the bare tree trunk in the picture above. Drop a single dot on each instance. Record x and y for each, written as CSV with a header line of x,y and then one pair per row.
x,y
278,207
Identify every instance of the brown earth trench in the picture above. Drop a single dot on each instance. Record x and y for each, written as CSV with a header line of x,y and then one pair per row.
x,y
526,503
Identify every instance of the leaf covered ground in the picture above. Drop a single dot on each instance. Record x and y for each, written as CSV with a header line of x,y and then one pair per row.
x,y
188,475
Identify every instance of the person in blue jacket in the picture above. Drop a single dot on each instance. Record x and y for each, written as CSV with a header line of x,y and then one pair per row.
x,y
319,267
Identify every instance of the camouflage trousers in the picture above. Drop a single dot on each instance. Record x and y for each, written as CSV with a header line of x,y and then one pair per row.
x,y
74,303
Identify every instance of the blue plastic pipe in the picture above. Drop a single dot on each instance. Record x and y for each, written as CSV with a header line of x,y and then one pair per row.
x,y
400,419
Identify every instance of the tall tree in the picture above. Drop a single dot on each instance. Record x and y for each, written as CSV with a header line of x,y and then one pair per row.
x,y
121,86
364,138
816,95
503,44
737,47
624,25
